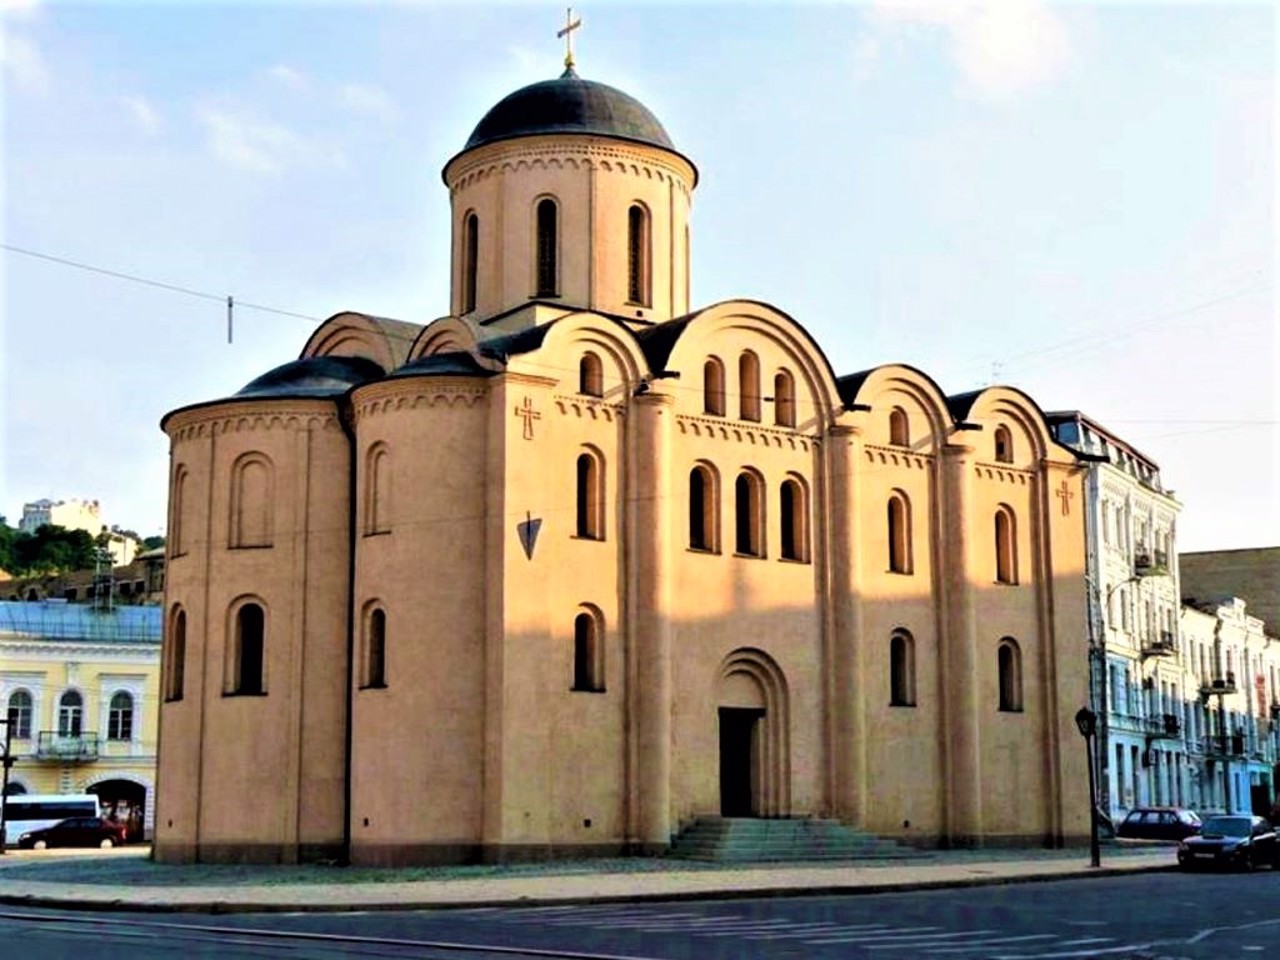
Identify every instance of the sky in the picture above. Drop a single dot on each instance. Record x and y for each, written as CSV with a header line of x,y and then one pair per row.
x,y
1077,200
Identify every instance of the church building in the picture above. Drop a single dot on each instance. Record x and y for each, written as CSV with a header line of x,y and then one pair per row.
x,y
563,570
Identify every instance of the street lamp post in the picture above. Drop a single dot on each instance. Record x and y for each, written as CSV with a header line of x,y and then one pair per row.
x,y
1087,722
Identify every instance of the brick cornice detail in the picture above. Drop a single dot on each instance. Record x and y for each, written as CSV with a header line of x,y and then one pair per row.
x,y
418,393
237,418
740,431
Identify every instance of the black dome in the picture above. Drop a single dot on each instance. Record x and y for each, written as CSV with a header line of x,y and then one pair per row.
x,y
325,376
569,104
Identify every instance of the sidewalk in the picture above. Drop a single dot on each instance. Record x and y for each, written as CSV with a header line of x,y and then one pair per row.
x,y
47,881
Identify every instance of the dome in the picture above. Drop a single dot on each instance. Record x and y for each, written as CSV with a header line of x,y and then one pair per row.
x,y
325,376
569,104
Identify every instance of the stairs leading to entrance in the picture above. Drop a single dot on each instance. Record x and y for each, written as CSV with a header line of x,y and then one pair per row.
x,y
750,840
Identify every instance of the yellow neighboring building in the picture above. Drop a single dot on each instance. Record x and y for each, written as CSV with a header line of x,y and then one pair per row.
x,y
577,564
81,690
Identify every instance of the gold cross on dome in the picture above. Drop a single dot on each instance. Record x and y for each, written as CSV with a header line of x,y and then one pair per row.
x,y
570,25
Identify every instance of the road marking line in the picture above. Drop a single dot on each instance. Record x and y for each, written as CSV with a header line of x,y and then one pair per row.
x,y
1129,948
981,944
888,932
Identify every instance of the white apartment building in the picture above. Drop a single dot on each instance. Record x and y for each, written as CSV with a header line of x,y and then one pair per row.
x,y
71,514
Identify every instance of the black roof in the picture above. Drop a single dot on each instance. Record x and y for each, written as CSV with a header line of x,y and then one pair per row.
x,y
325,376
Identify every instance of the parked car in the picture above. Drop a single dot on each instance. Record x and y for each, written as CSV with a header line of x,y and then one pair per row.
x,y
1239,841
1158,823
76,832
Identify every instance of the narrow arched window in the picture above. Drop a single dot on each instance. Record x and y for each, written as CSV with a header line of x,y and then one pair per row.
x,y
1009,665
470,261
713,387
749,386
899,431
548,239
590,375
120,717
177,506
902,670
252,501
794,520
588,653
1006,546
638,255
377,490
590,497
1004,445
899,517
375,649
749,515
19,714
784,399
70,714
703,511
248,660
175,665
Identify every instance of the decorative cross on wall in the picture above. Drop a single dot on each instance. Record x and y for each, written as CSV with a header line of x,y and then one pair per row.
x,y
1065,493
526,410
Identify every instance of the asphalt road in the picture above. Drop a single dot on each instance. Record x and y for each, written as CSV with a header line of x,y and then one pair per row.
x,y
1164,916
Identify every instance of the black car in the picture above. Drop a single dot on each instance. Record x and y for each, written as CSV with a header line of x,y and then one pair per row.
x,y
1158,823
75,832
1240,841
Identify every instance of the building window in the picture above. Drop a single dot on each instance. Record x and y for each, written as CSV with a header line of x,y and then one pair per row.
x,y
902,670
1006,546
248,651
703,508
375,649
1009,663
70,714
590,497
713,387
470,260
899,434
252,497
177,533
588,652
749,513
794,516
784,399
749,386
548,229
19,714
638,255
120,717
899,517
377,490
175,661
1004,445
590,375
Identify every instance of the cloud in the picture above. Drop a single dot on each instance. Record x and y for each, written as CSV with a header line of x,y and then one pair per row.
x,y
262,146
370,100
20,59
291,78
142,112
1001,47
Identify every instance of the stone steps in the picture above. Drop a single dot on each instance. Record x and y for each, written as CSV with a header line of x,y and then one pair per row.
x,y
750,840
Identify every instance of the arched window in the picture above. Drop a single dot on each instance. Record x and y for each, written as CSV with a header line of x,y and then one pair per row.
x,y
590,375
19,714
899,432
177,502
749,386
1009,664
713,387
794,518
1004,445
375,648
899,515
252,500
588,652
902,670
590,496
248,660
784,399
548,240
1006,546
120,717
638,254
703,509
749,512
70,714
175,663
377,490
470,260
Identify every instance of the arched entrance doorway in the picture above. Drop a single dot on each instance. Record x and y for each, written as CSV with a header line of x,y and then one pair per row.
x,y
125,801
753,718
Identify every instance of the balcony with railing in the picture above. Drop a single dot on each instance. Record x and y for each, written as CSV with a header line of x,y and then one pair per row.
x,y
67,747
1164,644
1219,686
1232,745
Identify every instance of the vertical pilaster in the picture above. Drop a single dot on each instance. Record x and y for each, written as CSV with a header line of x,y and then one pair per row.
x,y
964,821
650,529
